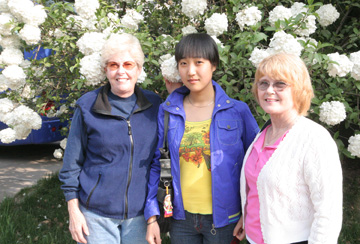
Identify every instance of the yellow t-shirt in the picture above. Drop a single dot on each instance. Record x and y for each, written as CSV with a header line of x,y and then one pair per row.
x,y
195,167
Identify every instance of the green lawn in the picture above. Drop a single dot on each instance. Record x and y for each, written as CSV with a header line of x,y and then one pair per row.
x,y
39,214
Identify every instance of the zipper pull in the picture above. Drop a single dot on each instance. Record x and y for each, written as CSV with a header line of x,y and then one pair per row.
x,y
129,127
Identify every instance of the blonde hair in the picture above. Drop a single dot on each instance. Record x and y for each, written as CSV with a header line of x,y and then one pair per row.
x,y
118,43
292,70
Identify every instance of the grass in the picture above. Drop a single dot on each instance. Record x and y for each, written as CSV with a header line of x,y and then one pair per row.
x,y
39,215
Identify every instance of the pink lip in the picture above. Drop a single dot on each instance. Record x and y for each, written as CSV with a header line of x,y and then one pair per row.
x,y
271,100
193,80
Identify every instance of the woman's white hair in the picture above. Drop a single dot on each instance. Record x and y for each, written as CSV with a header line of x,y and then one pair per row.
x,y
119,43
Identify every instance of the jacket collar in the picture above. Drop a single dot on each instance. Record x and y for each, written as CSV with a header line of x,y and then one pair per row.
x,y
103,106
174,101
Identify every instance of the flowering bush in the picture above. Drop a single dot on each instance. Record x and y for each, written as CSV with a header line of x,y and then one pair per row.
x,y
323,33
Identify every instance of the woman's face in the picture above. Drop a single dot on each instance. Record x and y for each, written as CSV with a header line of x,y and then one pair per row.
x,y
277,98
122,73
196,73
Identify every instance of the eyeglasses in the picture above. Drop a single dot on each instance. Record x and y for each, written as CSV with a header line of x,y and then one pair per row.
x,y
128,65
277,86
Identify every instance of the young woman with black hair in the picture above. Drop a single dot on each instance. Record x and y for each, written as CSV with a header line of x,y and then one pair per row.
x,y
208,135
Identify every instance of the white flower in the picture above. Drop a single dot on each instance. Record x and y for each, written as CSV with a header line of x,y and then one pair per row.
x,y
27,92
21,132
279,13
332,113
167,41
19,8
169,70
258,55
11,41
217,41
63,109
86,8
30,34
63,143
354,145
188,30
248,17
12,56
35,16
6,106
286,43
77,23
310,43
298,8
164,57
4,6
355,58
90,67
310,23
216,24
3,83
131,19
142,76
327,14
7,135
27,117
58,153
15,76
7,23
343,67
193,8
91,42
58,33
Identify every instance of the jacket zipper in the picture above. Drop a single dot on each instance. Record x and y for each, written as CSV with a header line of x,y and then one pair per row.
x,y
130,169
92,191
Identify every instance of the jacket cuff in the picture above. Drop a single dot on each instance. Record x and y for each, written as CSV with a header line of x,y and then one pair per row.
x,y
71,195
151,209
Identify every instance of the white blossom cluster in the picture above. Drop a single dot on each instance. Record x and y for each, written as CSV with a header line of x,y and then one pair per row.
x,y
258,55
142,76
355,59
343,67
91,42
78,23
193,8
86,8
10,41
20,119
279,13
310,23
169,69
327,14
58,153
216,24
249,16
298,8
15,77
286,43
7,23
90,67
354,145
188,30
131,19
332,113
11,56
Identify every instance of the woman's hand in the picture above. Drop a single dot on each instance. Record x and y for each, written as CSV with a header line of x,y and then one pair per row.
x,y
153,231
77,222
239,231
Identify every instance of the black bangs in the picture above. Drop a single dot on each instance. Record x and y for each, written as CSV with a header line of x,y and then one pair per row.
x,y
197,45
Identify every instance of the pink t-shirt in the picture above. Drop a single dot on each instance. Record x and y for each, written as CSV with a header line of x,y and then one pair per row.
x,y
255,162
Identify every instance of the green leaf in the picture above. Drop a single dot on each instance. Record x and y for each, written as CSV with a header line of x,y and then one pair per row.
x,y
258,37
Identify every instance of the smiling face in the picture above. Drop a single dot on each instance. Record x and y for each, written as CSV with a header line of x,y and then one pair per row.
x,y
196,73
122,73
273,100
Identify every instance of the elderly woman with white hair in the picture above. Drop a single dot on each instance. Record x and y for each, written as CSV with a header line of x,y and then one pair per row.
x,y
110,146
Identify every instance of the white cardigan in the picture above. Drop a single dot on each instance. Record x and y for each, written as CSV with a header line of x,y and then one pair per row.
x,y
300,187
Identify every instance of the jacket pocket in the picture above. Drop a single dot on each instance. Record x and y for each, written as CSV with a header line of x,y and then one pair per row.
x,y
228,132
92,191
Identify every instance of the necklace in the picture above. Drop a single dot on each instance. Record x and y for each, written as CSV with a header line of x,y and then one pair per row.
x,y
197,106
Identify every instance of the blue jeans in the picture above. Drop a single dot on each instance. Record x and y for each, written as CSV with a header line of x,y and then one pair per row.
x,y
199,229
105,230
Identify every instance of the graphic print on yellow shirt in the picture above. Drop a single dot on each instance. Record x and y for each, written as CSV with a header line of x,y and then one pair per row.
x,y
195,167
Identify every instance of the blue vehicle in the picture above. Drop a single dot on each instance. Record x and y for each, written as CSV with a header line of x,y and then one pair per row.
x,y
51,127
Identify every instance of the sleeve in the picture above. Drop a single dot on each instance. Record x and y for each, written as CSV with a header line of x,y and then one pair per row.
x,y
323,175
152,205
251,127
74,157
